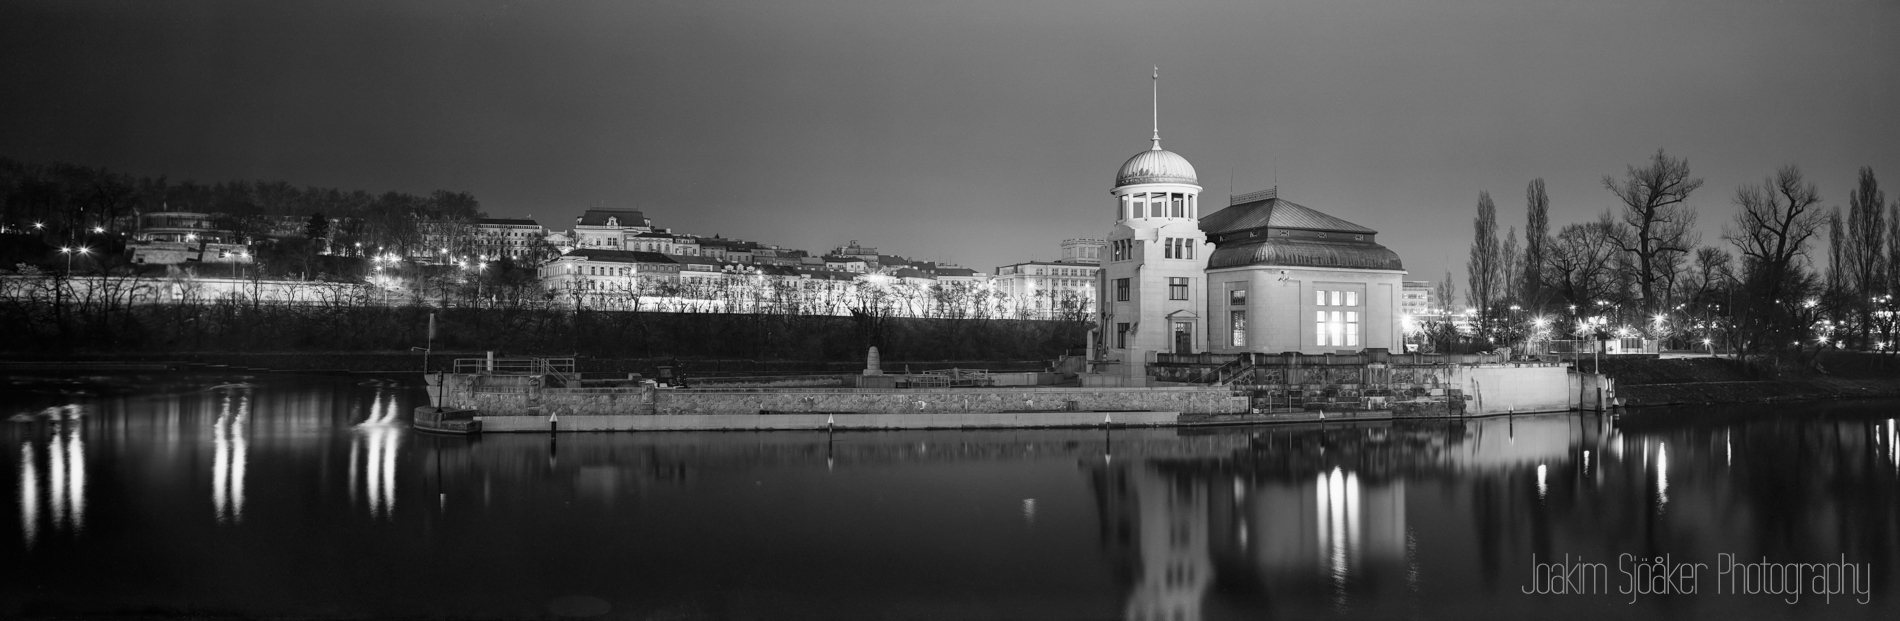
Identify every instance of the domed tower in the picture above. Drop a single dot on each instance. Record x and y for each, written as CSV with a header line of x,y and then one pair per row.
x,y
1153,277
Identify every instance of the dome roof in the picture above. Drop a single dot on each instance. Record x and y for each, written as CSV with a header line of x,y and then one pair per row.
x,y
1156,166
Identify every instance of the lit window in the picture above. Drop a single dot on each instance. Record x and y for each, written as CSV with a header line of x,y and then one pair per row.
x,y
1352,298
1336,299
1239,320
1319,323
1322,299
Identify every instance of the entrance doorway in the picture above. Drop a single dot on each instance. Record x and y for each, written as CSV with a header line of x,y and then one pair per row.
x,y
1183,337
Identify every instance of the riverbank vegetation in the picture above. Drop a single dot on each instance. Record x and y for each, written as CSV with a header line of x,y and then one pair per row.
x,y
1790,276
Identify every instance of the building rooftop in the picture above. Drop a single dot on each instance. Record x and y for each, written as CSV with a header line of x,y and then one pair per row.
x,y
624,217
1305,253
1155,166
617,256
1275,212
508,221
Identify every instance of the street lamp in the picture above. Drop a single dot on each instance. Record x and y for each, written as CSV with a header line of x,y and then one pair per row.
x,y
69,252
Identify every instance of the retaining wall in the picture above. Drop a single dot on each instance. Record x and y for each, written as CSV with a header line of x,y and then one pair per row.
x,y
1197,400
702,422
1520,387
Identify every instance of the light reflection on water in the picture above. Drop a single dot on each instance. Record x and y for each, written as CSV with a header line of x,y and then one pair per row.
x,y
230,453
379,437
62,475
1427,520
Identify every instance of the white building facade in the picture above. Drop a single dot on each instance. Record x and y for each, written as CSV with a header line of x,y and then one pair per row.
x,y
1262,275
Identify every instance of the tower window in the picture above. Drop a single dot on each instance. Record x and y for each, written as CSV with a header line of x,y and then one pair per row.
x,y
1177,288
1121,336
1238,319
1121,290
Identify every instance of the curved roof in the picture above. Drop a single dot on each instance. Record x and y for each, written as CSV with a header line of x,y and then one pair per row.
x,y
1156,166
1306,253
1277,213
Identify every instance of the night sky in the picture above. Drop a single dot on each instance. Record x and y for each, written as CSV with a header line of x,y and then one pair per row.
x,y
980,133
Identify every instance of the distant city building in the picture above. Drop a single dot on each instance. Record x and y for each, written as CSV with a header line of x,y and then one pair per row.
x,y
1084,250
174,237
868,254
1417,299
514,238
603,277
1047,288
609,229
663,243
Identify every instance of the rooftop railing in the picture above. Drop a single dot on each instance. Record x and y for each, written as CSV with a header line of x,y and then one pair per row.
x,y
514,366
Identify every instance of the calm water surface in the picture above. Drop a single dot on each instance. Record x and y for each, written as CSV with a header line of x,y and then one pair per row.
x,y
310,497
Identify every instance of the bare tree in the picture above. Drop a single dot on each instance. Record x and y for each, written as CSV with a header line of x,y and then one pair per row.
x,y
1447,290
1510,289
1578,265
1772,230
1655,219
1481,270
1836,252
1866,221
1536,231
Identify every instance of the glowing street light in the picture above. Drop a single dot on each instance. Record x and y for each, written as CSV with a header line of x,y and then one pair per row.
x,y
69,252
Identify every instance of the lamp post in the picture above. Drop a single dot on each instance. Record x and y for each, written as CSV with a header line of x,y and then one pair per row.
x,y
69,252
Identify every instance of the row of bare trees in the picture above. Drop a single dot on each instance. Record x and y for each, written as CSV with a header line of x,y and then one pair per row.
x,y
510,311
1641,268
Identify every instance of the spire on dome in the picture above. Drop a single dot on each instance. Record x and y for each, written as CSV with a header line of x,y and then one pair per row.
x,y
1156,94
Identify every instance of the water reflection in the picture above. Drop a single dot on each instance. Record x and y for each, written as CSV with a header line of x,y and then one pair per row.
x,y
62,507
1372,520
230,457
1662,477
377,440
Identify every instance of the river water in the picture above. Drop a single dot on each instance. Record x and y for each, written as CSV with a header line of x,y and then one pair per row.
x,y
270,495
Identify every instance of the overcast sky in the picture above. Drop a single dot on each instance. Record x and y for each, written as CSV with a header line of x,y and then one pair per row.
x,y
981,133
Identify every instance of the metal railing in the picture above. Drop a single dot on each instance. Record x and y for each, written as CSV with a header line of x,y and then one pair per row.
x,y
1316,360
949,377
514,366
1611,347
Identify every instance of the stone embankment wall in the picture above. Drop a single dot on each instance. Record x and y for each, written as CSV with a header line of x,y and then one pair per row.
x,y
1515,387
735,422
1195,400
504,395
